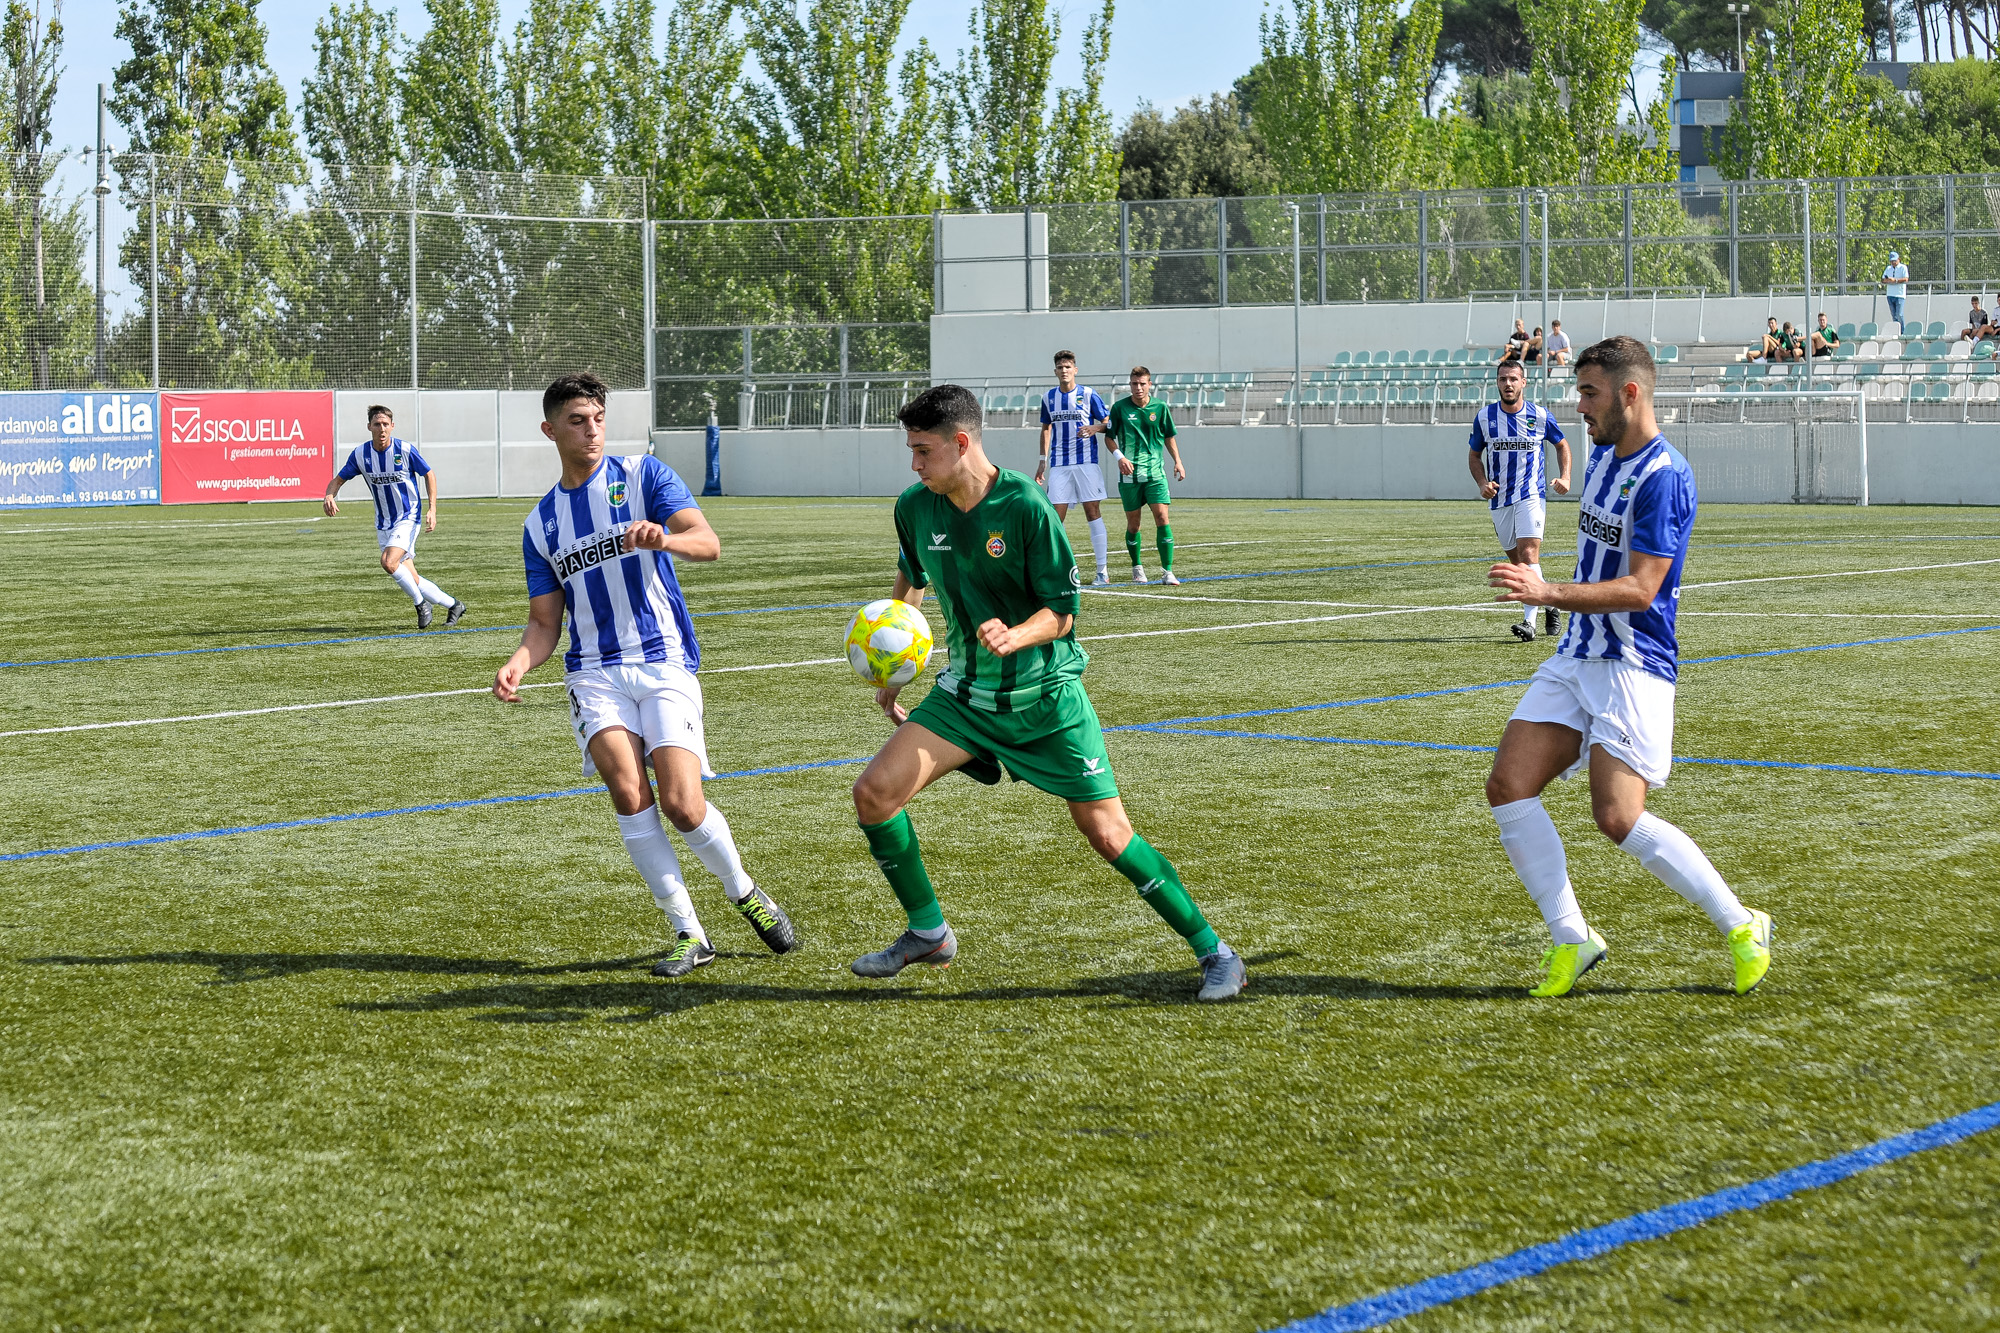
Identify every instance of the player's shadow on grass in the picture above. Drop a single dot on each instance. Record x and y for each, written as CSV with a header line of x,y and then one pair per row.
x,y
233,968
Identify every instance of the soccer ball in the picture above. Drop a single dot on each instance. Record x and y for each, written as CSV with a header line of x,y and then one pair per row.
x,y
888,642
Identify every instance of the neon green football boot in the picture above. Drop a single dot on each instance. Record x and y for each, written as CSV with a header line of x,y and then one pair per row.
x,y
1566,962
1750,943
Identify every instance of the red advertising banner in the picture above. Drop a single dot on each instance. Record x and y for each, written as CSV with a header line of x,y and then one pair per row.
x,y
244,446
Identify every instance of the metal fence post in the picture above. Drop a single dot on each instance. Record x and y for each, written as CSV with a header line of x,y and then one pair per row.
x,y
103,191
1222,252
1735,190
937,260
1423,245
844,365
153,264
1805,212
1628,242
415,375
1524,240
1027,264
1951,232
648,239
1322,249
1124,255
1840,231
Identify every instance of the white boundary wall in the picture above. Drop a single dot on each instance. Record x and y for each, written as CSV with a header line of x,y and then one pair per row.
x,y
1907,464
483,442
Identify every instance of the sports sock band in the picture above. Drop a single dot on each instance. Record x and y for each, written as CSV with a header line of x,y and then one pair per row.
x,y
406,579
434,594
711,841
1132,545
1100,543
1527,611
1160,885
1536,849
1675,860
653,857
893,844
1163,537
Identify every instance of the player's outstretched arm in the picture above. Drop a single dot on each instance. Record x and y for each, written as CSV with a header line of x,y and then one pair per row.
x,y
1634,592
326,501
686,535
1045,626
538,640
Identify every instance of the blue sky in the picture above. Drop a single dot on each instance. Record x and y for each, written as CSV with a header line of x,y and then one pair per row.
x,y
1163,51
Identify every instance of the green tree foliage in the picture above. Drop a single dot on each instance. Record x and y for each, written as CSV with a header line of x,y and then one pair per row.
x,y
353,100
1953,125
212,146
1206,149
1010,145
1805,110
1482,37
453,92
556,107
1342,100
1584,54
46,319
1696,30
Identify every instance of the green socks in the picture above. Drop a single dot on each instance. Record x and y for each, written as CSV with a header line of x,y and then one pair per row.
x,y
893,844
1164,537
1160,885
1132,545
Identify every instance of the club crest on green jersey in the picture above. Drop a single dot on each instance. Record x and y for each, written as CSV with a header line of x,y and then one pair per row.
x,y
615,492
996,545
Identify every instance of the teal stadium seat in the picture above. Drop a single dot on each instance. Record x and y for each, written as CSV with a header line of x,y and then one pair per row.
x,y
1866,332
1461,355
1381,358
1420,357
1936,329
1847,334
1399,357
1440,356
1339,359
1668,355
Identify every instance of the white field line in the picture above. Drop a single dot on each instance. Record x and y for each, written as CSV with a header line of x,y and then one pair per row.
x,y
1255,601
352,703
1838,574
234,523
1301,620
1853,615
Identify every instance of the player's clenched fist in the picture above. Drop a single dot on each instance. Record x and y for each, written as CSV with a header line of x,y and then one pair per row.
x,y
1001,638
332,509
1489,490
645,537
507,680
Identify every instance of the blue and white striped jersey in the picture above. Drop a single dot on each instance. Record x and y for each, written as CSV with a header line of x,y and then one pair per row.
x,y
1066,414
1510,448
624,608
1643,503
391,475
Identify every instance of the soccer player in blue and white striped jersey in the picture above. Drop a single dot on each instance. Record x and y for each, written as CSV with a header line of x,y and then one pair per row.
x,y
1072,419
1507,441
391,467
599,550
1605,700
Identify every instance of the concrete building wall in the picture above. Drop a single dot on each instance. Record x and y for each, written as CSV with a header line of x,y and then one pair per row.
x,y
484,442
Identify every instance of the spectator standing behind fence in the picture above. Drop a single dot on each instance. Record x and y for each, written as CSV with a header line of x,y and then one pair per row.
x,y
1558,344
1896,286
1517,343
1976,320
1825,338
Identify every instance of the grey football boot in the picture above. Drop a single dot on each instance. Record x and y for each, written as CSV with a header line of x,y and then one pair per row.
x,y
687,954
909,948
454,613
1223,976
769,921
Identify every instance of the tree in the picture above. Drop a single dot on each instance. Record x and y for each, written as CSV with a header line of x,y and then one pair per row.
x,y
1584,55
1805,110
1482,37
453,96
213,149
556,114
1009,145
353,100
1203,150
1695,30
1342,101
30,49
700,113
1953,124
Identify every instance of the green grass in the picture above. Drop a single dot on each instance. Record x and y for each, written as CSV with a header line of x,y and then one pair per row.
x,y
412,1072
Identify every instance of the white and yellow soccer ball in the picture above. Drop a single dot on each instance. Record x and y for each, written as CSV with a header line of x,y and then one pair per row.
x,y
888,642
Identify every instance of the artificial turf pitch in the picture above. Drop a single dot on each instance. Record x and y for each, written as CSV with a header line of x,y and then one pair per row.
x,y
411,1072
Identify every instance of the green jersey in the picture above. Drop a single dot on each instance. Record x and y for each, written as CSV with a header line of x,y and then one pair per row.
x,y
1143,432
1005,560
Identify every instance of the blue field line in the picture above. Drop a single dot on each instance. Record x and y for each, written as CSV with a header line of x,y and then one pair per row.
x,y
1402,1302
203,834
1169,729
252,647
1853,643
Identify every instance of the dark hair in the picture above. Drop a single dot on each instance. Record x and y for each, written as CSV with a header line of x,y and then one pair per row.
x,y
377,410
1624,359
1555,323
942,409
1141,370
1510,363
569,388
1065,355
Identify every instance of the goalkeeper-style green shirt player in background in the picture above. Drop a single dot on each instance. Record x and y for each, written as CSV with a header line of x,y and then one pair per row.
x,y
1142,437
991,545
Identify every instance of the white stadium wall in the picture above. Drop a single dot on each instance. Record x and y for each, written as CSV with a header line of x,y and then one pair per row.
x,y
1907,464
484,442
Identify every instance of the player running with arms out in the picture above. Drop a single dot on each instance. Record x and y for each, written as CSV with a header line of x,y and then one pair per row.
x,y
1507,467
1072,419
600,547
987,540
391,467
1142,438
1605,699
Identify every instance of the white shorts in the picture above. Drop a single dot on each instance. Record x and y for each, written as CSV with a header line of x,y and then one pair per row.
x,y
1075,484
1626,709
1515,521
660,702
404,534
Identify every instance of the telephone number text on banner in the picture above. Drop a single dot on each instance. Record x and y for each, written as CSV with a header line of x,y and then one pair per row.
x,y
62,450
245,446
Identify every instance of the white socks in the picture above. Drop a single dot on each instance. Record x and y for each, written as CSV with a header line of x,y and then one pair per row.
x,y
432,593
653,856
1673,857
710,840
1527,611
1533,845
406,579
1100,543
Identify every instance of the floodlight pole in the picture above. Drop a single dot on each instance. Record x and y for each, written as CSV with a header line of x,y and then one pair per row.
x,y
1805,199
1298,359
103,190
1544,367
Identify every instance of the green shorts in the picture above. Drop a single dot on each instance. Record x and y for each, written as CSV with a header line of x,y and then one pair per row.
x,y
1136,495
1056,743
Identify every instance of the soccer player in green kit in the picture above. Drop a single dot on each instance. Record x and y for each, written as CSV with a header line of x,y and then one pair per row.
x,y
991,545
1142,436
